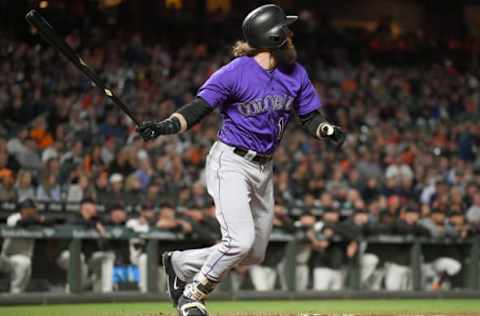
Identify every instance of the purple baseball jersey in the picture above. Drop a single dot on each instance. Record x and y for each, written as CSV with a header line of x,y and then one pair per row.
x,y
256,104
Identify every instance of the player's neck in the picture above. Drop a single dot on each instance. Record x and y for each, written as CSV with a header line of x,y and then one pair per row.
x,y
265,60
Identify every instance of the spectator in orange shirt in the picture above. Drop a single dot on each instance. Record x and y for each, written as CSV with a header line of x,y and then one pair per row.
x,y
40,134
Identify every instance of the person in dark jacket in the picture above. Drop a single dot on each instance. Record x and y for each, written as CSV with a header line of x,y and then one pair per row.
x,y
205,227
397,269
330,253
304,227
442,262
117,217
459,228
353,230
95,258
138,256
16,254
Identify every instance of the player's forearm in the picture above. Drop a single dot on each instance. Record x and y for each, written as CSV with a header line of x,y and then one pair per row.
x,y
313,123
187,116
180,121
316,125
192,113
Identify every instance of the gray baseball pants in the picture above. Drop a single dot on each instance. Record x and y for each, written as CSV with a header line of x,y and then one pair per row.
x,y
243,194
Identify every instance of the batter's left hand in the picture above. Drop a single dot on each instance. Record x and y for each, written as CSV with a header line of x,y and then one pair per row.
x,y
333,133
148,130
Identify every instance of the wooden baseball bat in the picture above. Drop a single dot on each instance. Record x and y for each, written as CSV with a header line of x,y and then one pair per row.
x,y
49,34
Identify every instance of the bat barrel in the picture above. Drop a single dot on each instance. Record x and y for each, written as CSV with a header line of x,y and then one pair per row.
x,y
48,33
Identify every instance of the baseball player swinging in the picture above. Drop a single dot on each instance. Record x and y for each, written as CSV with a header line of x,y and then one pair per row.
x,y
256,93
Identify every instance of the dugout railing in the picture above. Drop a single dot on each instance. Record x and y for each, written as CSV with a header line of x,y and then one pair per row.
x,y
76,235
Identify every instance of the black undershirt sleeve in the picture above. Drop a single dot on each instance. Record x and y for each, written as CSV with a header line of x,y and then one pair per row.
x,y
195,111
311,121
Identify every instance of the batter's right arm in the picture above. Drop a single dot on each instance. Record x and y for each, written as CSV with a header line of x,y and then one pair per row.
x,y
317,126
180,121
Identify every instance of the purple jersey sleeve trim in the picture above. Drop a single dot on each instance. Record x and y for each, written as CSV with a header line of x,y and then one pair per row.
x,y
209,96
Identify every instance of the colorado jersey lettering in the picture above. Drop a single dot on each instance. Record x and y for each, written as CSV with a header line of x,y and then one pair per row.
x,y
257,104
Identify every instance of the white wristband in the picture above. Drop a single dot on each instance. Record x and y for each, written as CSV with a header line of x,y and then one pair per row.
x,y
325,129
183,121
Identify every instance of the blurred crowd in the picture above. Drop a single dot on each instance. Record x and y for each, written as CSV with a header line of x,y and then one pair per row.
x,y
410,165
412,131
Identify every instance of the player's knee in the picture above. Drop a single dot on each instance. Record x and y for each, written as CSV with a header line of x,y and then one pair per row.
x,y
243,245
244,248
256,256
22,262
142,259
370,260
62,260
110,256
448,265
454,268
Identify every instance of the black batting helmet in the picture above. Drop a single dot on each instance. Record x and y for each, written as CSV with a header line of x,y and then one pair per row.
x,y
267,27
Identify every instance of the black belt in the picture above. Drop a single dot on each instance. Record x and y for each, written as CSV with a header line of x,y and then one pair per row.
x,y
262,159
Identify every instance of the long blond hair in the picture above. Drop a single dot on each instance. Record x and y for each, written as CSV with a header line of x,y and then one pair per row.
x,y
241,48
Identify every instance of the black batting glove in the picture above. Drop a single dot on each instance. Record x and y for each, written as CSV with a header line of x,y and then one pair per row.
x,y
333,133
150,130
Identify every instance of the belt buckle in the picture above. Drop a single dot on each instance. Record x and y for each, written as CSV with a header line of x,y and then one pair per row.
x,y
250,155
